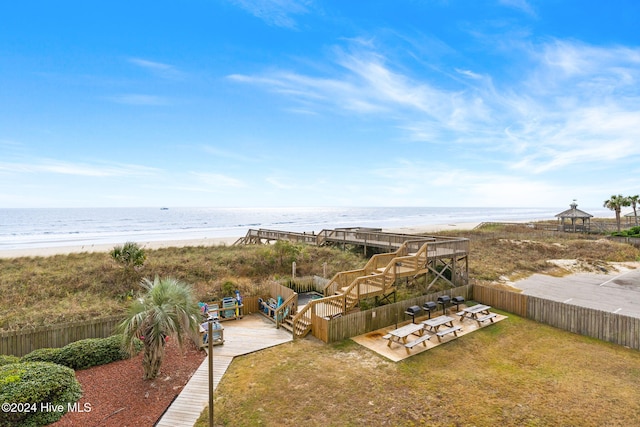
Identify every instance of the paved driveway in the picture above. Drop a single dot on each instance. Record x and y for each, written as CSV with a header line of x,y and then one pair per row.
x,y
615,292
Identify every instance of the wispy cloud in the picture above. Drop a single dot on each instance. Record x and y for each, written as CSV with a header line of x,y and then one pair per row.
x,y
159,69
79,169
278,13
571,101
522,5
217,181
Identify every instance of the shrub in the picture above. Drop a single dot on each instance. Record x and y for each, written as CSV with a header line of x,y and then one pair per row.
x,y
7,359
129,256
37,386
43,355
93,352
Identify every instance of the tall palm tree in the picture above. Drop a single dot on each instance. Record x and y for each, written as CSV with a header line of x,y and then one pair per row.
x,y
167,309
615,203
634,202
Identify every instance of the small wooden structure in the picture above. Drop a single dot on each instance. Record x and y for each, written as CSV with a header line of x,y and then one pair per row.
x,y
569,220
631,218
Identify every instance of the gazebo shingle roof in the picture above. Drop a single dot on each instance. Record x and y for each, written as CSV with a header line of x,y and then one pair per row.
x,y
574,212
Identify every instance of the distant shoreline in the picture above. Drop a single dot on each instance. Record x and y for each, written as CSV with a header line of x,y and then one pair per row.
x,y
216,241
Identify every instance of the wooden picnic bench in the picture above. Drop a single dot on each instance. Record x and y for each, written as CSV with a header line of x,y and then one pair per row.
x,y
482,319
473,311
453,330
422,339
400,335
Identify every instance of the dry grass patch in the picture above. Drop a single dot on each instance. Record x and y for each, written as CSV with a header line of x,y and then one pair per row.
x,y
49,290
516,372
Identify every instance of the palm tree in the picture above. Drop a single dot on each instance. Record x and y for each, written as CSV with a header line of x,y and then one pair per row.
x,y
615,203
634,202
167,309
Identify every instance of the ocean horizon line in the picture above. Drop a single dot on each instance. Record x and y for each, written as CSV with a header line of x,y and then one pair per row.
x,y
42,227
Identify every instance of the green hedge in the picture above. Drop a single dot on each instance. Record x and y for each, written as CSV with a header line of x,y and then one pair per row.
x,y
46,354
632,232
92,352
38,393
83,354
7,359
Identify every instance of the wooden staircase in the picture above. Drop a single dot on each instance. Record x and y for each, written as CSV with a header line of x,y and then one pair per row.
x,y
347,288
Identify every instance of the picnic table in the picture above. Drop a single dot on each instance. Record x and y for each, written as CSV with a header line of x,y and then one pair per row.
x,y
473,311
435,323
400,335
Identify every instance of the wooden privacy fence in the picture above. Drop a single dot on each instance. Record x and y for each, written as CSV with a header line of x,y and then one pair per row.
x,y
603,325
512,302
306,284
359,323
19,343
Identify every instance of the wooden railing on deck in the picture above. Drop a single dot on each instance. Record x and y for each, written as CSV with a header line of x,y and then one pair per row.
x,y
350,286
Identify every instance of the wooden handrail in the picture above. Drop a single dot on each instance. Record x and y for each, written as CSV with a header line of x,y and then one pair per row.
x,y
278,313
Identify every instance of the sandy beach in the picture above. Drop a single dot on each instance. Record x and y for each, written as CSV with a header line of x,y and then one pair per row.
x,y
64,250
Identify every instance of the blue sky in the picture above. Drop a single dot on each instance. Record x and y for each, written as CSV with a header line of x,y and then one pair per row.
x,y
233,103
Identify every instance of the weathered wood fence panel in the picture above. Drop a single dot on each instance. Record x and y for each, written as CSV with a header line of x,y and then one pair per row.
x,y
19,343
359,323
306,284
250,305
275,289
603,325
512,302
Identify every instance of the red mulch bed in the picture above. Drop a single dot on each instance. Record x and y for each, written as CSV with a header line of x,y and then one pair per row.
x,y
119,397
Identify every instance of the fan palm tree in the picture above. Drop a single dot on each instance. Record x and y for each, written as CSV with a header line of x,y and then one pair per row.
x,y
633,200
167,309
615,203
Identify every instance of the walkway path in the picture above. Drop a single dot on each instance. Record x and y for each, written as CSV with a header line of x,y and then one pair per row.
x,y
247,335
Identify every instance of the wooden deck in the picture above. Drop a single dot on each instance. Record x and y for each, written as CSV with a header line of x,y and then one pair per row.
x,y
347,236
397,352
242,336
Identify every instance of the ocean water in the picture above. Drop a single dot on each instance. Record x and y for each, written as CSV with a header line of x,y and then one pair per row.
x,y
33,228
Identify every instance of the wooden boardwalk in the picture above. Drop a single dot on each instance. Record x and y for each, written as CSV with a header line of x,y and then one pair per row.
x,y
242,336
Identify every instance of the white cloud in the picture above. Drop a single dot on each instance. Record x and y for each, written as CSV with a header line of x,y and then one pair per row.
x,y
574,104
157,68
522,5
79,169
468,73
217,181
279,13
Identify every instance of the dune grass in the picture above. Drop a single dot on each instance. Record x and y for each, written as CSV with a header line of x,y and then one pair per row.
x,y
48,290
512,373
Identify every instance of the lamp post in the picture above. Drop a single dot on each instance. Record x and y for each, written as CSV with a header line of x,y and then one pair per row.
x,y
210,336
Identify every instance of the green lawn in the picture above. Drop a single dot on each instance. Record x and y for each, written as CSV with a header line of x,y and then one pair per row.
x,y
513,373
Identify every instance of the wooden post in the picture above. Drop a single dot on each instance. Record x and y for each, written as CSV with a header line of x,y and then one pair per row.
x,y
210,338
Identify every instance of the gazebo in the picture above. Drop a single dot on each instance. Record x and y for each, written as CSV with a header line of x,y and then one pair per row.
x,y
568,220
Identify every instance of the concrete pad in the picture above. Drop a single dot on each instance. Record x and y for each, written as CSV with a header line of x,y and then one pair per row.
x,y
616,292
